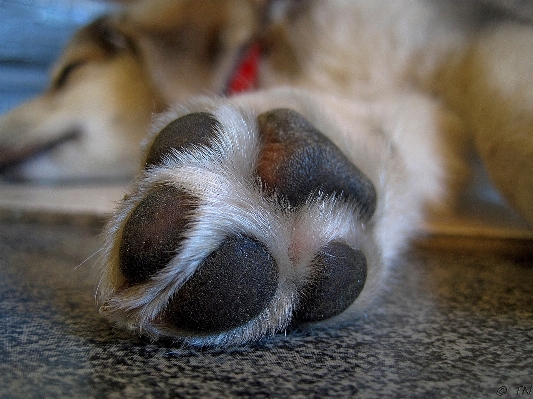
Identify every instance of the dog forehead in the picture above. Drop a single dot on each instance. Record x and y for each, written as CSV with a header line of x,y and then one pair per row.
x,y
104,33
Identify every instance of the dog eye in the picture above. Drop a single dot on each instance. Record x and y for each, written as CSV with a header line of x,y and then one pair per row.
x,y
64,74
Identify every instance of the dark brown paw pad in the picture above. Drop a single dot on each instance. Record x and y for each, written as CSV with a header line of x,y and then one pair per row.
x,y
195,129
337,278
298,160
231,287
153,232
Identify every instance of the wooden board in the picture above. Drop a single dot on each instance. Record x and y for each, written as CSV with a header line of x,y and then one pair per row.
x,y
69,203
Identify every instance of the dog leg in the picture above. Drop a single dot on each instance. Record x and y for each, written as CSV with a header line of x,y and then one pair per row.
x,y
491,88
245,221
267,209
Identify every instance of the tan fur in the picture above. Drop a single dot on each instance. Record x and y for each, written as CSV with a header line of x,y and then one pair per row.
x,y
490,88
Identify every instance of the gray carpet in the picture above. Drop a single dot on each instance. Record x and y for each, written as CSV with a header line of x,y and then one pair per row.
x,y
447,325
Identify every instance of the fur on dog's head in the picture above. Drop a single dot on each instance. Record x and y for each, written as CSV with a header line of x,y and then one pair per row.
x,y
98,104
113,75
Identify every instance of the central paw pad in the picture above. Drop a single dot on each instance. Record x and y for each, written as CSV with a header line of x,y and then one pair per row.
x,y
231,287
238,228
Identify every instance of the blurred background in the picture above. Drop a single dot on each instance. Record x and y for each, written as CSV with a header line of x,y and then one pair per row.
x,y
32,35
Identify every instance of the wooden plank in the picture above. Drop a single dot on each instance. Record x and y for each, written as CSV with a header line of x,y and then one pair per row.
x,y
71,203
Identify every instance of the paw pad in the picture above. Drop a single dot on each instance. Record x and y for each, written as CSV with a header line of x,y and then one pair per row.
x,y
198,128
338,277
298,160
153,232
231,287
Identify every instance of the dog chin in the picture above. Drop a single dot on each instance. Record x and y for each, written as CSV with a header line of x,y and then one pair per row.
x,y
48,169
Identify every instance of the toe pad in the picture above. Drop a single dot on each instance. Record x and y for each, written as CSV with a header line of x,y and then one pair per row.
x,y
231,287
337,279
153,232
298,160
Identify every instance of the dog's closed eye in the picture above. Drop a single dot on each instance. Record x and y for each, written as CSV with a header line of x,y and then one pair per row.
x,y
62,77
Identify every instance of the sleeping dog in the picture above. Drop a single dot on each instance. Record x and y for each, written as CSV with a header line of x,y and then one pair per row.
x,y
288,204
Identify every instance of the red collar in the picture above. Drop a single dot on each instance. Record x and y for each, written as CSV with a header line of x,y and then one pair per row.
x,y
245,74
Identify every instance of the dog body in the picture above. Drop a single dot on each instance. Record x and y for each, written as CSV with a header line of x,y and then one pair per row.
x,y
366,114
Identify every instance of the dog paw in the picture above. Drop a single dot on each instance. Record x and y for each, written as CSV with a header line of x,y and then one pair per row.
x,y
238,226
